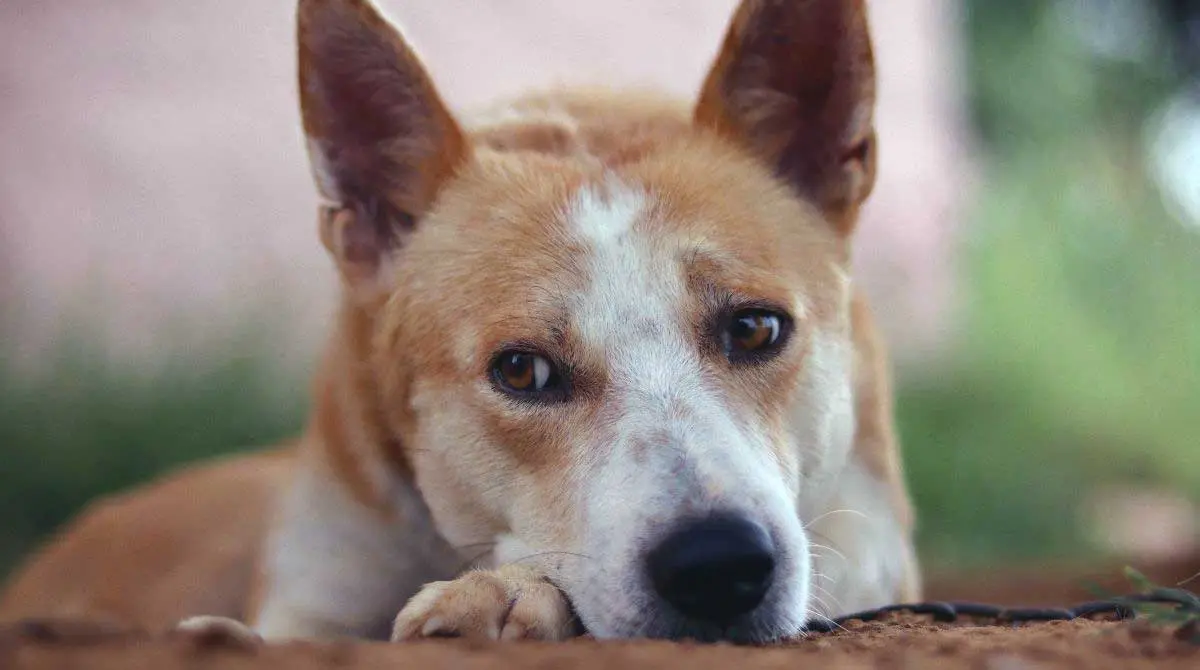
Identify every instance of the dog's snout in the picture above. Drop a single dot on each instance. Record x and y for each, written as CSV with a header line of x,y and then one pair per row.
x,y
714,570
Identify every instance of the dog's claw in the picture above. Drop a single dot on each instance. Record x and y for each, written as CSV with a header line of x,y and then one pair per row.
x,y
511,603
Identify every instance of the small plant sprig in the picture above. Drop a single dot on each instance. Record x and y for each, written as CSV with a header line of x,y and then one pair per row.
x,y
1172,606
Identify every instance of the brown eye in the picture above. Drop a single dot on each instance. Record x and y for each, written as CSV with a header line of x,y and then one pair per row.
x,y
752,333
525,373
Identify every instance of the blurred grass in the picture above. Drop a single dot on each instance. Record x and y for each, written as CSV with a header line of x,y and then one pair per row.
x,y
83,427
1078,365
1079,362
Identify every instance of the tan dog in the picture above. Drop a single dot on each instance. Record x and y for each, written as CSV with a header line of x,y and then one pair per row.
x,y
603,346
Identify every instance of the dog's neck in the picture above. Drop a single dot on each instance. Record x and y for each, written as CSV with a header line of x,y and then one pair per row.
x,y
347,430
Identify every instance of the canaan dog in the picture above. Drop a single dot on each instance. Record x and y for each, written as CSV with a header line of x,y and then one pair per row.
x,y
599,365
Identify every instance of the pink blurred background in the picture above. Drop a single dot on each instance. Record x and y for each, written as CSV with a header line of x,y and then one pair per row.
x,y
154,195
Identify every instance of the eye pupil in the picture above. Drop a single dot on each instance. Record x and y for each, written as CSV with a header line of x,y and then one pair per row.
x,y
747,327
752,331
517,370
525,372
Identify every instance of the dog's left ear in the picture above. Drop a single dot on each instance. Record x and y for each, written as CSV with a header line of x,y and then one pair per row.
x,y
380,139
795,84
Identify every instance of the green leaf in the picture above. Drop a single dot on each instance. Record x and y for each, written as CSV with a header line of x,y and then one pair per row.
x,y
1139,580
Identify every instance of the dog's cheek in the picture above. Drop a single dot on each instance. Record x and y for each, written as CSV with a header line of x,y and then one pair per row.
x,y
549,501
821,417
485,477
459,472
459,513
543,534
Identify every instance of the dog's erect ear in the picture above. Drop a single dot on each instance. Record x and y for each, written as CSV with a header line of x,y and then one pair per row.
x,y
795,84
380,139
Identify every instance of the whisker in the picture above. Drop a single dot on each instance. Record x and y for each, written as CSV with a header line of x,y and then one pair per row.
x,y
821,617
835,511
832,597
552,553
821,604
830,549
815,612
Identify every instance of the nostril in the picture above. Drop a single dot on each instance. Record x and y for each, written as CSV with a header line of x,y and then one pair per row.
x,y
715,569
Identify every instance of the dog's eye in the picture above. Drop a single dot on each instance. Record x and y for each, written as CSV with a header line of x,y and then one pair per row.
x,y
753,333
525,373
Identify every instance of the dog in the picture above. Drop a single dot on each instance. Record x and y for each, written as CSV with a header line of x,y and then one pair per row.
x,y
599,366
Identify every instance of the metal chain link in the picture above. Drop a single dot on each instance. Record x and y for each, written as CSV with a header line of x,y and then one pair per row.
x,y
949,612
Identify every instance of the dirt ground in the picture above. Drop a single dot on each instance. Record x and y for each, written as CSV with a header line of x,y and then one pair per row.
x,y
901,641
905,641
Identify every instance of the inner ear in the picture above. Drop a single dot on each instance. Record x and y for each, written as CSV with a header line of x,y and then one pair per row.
x,y
794,83
357,231
380,140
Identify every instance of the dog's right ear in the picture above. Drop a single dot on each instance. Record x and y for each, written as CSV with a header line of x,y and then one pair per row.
x,y
380,139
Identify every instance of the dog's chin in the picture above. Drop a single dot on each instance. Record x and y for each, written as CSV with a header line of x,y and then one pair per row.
x,y
760,628
777,620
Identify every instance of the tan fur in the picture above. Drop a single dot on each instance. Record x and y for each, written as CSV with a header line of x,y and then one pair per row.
x,y
183,545
877,444
448,241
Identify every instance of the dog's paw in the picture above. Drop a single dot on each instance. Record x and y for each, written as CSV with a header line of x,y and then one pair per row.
x,y
511,603
218,631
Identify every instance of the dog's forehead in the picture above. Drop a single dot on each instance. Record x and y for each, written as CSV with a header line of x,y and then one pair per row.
x,y
633,278
591,258
535,245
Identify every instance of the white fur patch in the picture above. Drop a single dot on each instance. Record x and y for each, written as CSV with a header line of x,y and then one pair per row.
x,y
334,568
823,418
861,555
673,450
605,216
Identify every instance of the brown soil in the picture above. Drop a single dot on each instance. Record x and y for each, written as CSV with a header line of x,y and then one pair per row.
x,y
903,641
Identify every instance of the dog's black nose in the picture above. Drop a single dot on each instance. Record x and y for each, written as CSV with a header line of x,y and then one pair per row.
x,y
715,569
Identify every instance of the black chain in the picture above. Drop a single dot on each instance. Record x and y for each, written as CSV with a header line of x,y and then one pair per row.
x,y
1123,607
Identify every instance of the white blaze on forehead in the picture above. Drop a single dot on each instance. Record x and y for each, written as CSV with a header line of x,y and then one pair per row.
x,y
606,215
631,309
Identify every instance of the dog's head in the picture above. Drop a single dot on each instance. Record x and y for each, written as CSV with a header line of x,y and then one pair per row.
x,y
612,333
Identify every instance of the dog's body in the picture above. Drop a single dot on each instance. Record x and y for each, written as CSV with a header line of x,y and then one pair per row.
x,y
603,345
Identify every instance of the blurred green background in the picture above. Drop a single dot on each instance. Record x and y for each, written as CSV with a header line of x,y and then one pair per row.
x,y
1077,367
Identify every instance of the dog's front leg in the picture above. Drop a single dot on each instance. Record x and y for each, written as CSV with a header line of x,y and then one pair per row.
x,y
336,568
508,603
333,568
